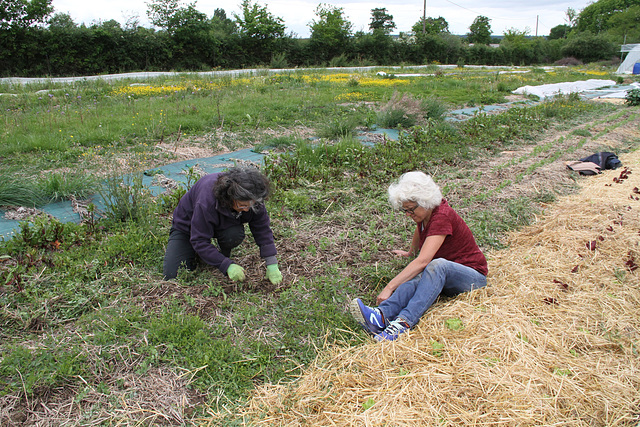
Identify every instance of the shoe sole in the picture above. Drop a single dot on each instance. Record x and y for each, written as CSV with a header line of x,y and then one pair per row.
x,y
356,313
354,309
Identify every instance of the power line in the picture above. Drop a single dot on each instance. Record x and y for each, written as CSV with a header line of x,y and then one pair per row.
x,y
482,14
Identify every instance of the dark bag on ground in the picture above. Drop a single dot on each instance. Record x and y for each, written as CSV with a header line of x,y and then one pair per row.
x,y
604,159
593,164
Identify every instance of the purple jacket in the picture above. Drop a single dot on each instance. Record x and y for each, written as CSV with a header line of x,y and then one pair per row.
x,y
199,214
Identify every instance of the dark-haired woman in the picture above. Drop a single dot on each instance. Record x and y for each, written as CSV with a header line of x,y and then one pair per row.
x,y
216,208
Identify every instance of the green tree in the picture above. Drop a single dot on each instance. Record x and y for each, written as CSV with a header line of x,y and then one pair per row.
x,y
444,47
258,23
62,21
162,12
624,27
23,13
480,30
259,31
375,48
381,21
330,33
437,25
559,32
222,25
194,44
572,16
596,17
519,49
20,42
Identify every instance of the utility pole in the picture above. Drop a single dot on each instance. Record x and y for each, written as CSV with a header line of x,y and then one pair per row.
x,y
424,18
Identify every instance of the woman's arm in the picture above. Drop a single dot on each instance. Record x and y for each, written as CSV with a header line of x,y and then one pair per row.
x,y
428,251
413,249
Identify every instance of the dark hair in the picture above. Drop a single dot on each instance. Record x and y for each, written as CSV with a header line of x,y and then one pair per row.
x,y
241,184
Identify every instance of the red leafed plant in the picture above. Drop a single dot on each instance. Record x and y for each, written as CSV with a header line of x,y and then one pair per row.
x,y
631,263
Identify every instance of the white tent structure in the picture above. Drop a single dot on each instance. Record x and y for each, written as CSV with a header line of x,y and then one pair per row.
x,y
633,57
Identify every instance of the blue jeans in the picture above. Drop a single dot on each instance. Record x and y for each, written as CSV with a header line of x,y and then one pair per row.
x,y
414,297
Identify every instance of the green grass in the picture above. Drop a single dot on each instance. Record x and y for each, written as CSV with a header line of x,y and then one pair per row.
x,y
81,304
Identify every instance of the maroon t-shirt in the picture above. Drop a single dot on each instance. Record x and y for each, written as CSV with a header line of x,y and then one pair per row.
x,y
459,244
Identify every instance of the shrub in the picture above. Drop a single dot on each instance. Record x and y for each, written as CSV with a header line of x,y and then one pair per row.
x,y
633,97
279,60
589,47
339,61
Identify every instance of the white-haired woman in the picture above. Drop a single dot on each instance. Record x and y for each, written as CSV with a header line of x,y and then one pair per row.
x,y
447,260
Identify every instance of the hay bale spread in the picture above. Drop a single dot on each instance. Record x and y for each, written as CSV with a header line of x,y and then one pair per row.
x,y
554,339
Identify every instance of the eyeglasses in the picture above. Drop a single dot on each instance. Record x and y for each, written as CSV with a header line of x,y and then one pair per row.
x,y
410,211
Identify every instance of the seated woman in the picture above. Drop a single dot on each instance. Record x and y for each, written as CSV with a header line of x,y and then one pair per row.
x,y
448,260
217,207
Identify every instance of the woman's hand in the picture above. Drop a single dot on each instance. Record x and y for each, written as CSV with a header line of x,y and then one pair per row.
x,y
385,294
273,274
235,273
401,253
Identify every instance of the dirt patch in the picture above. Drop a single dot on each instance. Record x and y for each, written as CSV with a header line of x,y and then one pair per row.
x,y
22,213
157,397
515,98
616,101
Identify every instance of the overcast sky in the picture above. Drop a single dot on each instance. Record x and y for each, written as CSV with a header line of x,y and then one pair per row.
x,y
531,15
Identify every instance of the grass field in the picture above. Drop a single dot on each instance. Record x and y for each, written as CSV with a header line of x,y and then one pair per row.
x,y
91,334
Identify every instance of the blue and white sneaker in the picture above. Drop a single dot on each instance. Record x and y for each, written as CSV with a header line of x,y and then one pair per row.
x,y
392,331
370,318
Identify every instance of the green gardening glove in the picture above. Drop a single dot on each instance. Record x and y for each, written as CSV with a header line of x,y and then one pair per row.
x,y
273,274
235,273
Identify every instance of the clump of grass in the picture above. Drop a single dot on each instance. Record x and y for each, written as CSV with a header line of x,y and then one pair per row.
x,y
582,132
338,128
57,186
490,97
278,142
127,199
405,111
15,191
395,118
433,109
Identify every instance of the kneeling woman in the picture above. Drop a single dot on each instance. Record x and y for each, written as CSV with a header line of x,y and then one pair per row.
x,y
448,260
217,207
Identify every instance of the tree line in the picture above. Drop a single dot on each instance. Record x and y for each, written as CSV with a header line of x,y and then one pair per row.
x,y
36,42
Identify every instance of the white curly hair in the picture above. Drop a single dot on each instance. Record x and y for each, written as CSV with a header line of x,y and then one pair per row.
x,y
415,187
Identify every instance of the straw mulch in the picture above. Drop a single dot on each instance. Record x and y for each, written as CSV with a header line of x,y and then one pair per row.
x,y
554,339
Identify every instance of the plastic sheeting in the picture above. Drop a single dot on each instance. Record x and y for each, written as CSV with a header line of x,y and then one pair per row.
x,y
554,89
